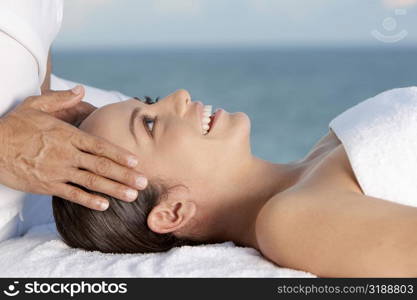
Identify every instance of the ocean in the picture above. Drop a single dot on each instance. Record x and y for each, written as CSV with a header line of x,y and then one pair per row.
x,y
290,95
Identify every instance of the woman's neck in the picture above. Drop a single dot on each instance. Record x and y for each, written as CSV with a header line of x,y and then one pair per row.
x,y
260,181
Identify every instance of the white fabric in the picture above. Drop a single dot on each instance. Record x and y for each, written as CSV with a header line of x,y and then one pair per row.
x,y
40,253
34,24
380,139
95,96
20,211
27,29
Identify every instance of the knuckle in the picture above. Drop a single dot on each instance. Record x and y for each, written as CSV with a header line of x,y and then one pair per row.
x,y
119,157
102,166
91,180
80,140
78,159
99,147
74,194
128,177
43,107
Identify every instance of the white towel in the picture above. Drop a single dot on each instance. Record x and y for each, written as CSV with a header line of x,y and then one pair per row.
x,y
40,253
380,139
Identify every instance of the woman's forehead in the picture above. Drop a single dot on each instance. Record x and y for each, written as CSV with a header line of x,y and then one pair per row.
x,y
119,107
111,111
109,116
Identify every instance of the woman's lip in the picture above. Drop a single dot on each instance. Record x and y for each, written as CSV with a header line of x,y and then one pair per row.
x,y
215,118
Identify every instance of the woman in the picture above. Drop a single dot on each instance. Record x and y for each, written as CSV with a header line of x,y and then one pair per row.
x,y
309,214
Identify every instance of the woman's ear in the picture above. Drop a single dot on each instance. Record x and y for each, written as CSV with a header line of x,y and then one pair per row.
x,y
171,215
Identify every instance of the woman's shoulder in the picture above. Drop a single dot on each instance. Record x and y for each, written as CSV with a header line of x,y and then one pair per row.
x,y
295,217
277,221
301,231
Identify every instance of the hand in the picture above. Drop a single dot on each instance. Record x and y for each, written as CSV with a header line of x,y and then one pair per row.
x,y
41,154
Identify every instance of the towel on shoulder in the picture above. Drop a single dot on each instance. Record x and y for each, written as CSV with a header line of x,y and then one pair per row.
x,y
380,138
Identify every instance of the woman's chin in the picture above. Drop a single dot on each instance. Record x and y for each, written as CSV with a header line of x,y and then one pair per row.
x,y
232,126
244,120
241,126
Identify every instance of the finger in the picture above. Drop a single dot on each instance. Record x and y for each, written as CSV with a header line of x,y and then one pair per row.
x,y
86,108
76,114
107,168
68,115
53,101
76,195
103,185
101,147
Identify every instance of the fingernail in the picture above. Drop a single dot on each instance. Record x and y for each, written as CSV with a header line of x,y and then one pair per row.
x,y
141,182
132,161
77,90
132,194
104,205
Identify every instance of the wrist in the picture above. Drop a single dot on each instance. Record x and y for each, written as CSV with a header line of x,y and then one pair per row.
x,y
4,152
3,135
1,130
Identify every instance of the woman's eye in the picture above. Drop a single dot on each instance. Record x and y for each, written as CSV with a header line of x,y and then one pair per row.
x,y
147,120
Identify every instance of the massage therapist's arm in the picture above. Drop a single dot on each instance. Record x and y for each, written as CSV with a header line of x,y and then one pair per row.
x,y
352,235
41,154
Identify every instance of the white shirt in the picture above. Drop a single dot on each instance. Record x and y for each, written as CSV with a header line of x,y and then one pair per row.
x,y
27,29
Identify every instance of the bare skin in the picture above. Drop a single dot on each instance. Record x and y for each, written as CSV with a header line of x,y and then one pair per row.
x,y
308,214
325,224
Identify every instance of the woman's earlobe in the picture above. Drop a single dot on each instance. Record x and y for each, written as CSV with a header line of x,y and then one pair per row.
x,y
166,218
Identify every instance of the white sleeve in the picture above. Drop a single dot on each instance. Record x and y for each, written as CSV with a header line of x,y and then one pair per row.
x,y
95,96
27,29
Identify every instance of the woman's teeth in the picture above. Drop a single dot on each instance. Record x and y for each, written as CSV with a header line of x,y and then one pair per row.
x,y
205,121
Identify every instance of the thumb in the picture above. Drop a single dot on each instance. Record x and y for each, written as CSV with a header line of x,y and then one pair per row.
x,y
76,114
86,108
53,101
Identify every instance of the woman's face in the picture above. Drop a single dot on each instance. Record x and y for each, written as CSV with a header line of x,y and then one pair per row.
x,y
170,144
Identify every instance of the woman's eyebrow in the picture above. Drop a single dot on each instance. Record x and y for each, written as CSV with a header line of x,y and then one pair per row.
x,y
135,112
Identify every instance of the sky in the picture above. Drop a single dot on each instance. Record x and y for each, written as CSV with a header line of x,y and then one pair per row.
x,y
227,23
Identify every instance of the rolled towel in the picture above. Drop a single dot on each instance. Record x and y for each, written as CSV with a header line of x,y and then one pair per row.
x,y
380,138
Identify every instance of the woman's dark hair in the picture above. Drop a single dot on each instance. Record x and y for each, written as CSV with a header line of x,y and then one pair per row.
x,y
122,228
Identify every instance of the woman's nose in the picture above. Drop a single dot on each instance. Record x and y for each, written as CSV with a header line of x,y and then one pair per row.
x,y
183,95
182,98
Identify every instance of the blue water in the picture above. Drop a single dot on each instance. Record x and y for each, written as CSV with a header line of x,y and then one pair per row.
x,y
290,95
